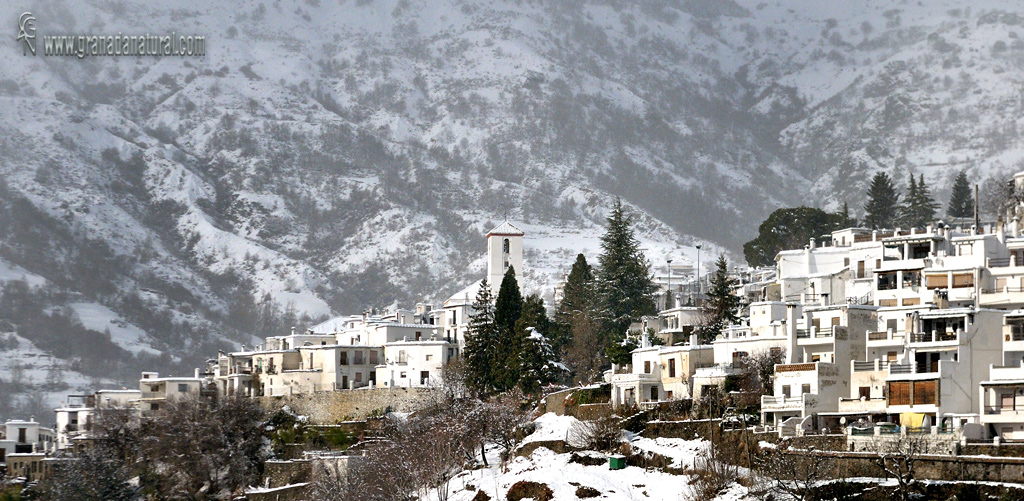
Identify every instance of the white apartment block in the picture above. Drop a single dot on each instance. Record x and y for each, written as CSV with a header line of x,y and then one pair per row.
x,y
74,419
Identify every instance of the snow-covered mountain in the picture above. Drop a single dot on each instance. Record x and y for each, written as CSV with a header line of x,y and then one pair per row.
x,y
326,156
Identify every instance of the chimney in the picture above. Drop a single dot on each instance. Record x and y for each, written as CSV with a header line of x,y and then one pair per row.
x,y
874,235
913,230
1015,228
812,243
197,373
693,342
929,228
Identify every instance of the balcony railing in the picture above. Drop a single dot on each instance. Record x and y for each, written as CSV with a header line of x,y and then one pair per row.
x,y
1000,262
825,332
803,333
870,366
933,336
901,369
998,409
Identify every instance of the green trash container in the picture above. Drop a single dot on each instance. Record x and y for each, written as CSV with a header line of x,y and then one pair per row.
x,y
616,462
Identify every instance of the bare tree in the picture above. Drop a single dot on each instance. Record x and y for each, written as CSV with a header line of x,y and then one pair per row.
x,y
760,368
96,473
506,419
795,473
896,457
601,434
192,448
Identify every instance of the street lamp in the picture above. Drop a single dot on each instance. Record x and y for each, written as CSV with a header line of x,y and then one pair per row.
x,y
668,294
698,273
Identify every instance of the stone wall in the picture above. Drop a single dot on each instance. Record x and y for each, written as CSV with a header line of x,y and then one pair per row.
x,y
350,405
934,467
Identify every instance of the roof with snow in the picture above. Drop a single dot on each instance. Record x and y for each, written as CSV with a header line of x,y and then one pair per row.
x,y
506,228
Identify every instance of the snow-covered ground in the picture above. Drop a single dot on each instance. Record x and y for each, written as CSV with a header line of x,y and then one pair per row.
x,y
564,477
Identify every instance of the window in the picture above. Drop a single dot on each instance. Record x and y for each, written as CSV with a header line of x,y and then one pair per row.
x,y
805,388
373,358
899,393
359,377
865,391
344,382
890,324
890,357
360,358
182,388
154,407
654,393
647,367
504,246
936,281
343,358
963,280
22,435
846,261
672,367
429,357
401,374
418,335
668,395
924,392
424,377
815,358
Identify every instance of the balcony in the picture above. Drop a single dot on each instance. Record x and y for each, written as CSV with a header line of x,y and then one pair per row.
x,y
771,403
935,337
870,366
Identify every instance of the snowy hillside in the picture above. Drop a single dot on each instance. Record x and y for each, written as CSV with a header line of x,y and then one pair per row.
x,y
330,155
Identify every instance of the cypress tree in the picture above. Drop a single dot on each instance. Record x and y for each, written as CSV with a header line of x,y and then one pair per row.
x,y
961,200
507,310
509,304
719,310
881,209
482,340
624,281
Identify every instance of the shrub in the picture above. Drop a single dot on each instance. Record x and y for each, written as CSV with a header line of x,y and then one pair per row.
x,y
600,434
583,492
524,489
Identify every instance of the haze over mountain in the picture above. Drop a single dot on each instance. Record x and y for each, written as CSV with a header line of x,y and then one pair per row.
x,y
326,156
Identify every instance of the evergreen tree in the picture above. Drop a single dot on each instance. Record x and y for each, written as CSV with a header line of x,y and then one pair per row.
x,y
789,228
924,205
881,209
624,281
507,310
509,304
539,364
536,361
908,209
961,200
577,297
482,340
720,308
846,221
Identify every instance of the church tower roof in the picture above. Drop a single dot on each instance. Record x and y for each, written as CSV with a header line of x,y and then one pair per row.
x,y
506,228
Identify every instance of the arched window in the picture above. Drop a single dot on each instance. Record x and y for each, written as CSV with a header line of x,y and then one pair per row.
x,y
504,246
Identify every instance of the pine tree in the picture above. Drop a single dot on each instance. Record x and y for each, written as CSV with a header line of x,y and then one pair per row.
x,y
908,209
720,308
844,216
539,365
534,361
482,340
924,205
507,310
624,281
961,201
577,298
881,209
